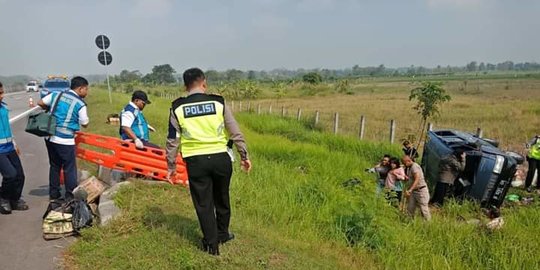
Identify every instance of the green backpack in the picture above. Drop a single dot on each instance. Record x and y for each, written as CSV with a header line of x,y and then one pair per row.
x,y
43,123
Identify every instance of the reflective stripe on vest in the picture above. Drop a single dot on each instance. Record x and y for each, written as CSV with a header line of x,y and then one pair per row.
x,y
6,137
139,125
6,140
67,114
534,152
202,128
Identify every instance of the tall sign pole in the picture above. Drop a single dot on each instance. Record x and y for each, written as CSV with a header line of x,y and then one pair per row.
x,y
105,58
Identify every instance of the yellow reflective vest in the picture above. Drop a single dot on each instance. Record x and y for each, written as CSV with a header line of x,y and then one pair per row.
x,y
534,151
202,124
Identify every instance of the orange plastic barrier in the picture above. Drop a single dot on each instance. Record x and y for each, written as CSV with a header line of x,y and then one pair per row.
x,y
124,156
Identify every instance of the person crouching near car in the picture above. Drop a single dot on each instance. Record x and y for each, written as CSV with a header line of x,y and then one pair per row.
x,y
418,192
381,169
450,168
133,125
395,178
10,165
409,150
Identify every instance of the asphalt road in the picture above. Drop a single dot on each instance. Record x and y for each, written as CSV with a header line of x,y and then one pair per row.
x,y
21,242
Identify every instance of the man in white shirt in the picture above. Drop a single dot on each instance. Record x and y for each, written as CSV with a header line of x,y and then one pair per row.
x,y
70,111
133,125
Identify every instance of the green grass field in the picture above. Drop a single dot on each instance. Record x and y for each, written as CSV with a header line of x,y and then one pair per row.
x,y
291,212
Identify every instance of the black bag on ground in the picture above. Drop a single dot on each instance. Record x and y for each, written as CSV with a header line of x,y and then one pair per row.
x,y
63,219
43,123
82,216
57,221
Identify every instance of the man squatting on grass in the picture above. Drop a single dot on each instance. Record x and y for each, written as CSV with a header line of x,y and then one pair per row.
x,y
201,120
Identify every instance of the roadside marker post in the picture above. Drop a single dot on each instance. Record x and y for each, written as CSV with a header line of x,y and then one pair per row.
x,y
105,58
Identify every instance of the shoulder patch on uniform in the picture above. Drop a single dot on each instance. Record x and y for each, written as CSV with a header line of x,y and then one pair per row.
x,y
200,109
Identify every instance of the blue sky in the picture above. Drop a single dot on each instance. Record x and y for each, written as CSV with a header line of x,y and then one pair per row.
x,y
47,37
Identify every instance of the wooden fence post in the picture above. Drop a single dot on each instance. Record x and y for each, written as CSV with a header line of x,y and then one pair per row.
x,y
282,111
258,108
298,114
336,122
392,130
249,106
316,118
240,106
270,109
362,126
232,105
479,132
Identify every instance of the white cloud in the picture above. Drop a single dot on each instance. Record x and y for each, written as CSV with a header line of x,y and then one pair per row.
x,y
152,8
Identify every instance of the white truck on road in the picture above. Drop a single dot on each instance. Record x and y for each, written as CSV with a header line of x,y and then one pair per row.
x,y
32,86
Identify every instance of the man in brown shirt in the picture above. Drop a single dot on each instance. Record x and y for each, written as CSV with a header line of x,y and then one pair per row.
x,y
418,192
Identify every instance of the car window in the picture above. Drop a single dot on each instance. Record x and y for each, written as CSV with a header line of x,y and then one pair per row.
x,y
56,84
31,84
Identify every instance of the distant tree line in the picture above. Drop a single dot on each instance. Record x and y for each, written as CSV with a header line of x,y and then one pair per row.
x,y
165,74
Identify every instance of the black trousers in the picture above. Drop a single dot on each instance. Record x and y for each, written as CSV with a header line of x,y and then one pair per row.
x,y
61,157
440,193
209,180
534,165
12,176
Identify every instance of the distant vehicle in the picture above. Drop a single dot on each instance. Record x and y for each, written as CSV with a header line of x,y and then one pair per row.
x,y
32,86
488,170
54,84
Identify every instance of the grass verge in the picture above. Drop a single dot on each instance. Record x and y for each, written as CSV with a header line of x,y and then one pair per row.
x,y
291,212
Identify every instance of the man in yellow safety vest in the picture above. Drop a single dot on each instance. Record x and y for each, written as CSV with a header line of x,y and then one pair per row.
x,y
201,121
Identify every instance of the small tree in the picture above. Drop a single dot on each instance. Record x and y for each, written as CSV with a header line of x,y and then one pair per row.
x,y
279,90
429,96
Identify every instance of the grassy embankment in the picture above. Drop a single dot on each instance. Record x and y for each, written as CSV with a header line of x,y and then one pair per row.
x,y
291,212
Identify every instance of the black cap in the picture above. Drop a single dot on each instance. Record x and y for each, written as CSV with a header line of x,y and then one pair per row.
x,y
138,94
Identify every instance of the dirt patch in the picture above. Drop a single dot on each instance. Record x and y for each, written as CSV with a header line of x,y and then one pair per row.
x,y
277,260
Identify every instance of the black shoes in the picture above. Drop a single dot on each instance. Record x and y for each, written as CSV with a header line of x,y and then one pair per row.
x,y
19,205
212,249
229,237
5,207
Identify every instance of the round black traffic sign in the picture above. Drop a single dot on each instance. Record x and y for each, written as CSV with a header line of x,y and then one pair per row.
x,y
105,58
103,42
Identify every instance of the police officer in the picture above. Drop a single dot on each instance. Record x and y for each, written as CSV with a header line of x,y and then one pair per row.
x,y
450,168
10,165
201,120
133,125
70,114
533,158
